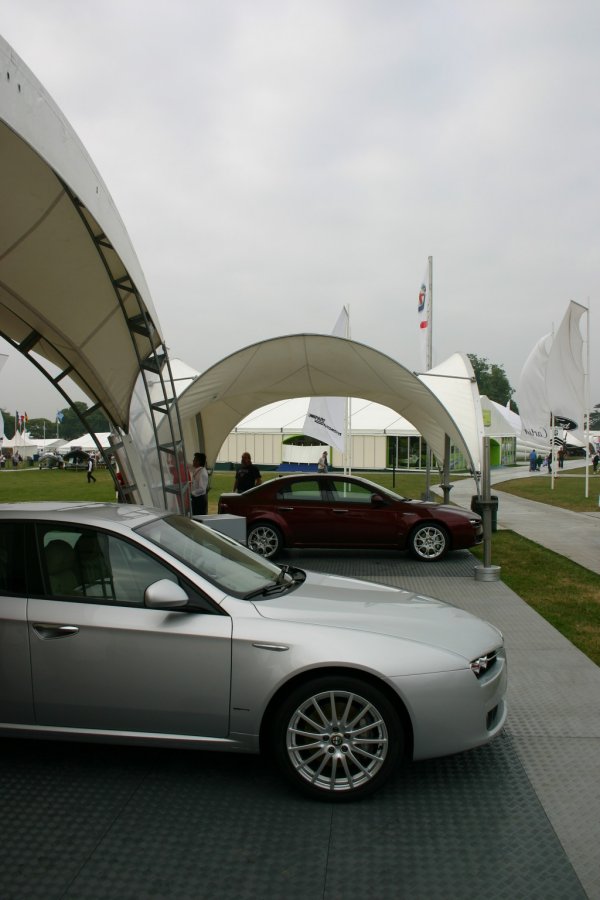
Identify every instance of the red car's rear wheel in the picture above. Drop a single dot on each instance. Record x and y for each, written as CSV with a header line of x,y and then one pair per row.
x,y
265,539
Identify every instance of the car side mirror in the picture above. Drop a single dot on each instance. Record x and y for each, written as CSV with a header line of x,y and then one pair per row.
x,y
165,594
377,500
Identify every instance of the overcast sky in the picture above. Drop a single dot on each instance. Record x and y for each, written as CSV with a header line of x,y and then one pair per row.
x,y
274,160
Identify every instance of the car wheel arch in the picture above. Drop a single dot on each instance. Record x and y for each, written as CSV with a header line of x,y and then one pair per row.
x,y
272,521
309,675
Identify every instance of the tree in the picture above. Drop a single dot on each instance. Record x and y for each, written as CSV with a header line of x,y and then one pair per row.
x,y
71,427
595,418
491,380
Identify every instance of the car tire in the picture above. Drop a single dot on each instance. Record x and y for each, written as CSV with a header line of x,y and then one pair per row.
x,y
337,738
265,539
429,542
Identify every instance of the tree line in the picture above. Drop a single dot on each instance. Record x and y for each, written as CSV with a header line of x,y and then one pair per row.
x,y
68,428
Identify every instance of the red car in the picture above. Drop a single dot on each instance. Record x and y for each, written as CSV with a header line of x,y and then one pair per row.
x,y
344,511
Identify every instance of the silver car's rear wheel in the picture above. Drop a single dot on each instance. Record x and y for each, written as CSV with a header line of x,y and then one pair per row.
x,y
429,542
265,540
338,738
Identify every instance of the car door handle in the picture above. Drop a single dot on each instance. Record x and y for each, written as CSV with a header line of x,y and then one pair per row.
x,y
285,509
48,632
340,512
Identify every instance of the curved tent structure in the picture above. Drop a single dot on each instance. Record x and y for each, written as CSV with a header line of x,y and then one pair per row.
x,y
73,298
453,382
309,365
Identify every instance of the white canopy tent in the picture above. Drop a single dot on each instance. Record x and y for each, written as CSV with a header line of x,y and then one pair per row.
x,y
73,297
308,365
86,443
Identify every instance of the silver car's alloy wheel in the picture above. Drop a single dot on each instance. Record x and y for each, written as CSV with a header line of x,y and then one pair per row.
x,y
264,540
429,542
341,741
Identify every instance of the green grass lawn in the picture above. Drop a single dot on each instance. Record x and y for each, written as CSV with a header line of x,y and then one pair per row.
x,y
26,484
565,594
568,492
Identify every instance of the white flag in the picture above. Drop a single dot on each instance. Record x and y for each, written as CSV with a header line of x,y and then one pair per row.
x,y
532,396
424,310
326,415
565,376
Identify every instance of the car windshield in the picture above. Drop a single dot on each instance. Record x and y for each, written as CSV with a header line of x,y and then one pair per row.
x,y
221,560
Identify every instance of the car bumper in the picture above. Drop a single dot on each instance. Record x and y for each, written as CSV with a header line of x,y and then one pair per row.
x,y
454,711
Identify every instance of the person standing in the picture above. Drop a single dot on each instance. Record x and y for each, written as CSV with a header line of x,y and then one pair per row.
x,y
199,488
247,476
533,461
90,470
322,465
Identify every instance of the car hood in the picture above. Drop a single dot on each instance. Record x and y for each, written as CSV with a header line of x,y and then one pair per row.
x,y
365,606
445,508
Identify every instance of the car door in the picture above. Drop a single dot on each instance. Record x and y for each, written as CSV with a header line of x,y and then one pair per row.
x,y
357,518
16,705
101,660
305,510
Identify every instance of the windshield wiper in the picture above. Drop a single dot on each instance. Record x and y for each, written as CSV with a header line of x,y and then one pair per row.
x,y
274,587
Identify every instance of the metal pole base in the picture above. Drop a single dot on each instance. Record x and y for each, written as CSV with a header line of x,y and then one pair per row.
x,y
487,573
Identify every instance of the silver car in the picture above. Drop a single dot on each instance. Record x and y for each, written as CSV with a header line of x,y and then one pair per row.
x,y
126,624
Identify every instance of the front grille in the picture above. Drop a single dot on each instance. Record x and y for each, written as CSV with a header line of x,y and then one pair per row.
x,y
482,665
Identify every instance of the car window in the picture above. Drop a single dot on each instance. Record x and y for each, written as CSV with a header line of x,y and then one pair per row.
x,y
219,559
83,563
350,492
12,562
300,490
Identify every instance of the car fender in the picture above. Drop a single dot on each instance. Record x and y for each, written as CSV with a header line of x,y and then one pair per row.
x,y
269,654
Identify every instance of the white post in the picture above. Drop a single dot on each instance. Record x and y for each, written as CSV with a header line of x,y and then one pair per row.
x,y
486,572
587,407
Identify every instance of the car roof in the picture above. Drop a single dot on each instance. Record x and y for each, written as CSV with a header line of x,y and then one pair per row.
x,y
320,476
82,513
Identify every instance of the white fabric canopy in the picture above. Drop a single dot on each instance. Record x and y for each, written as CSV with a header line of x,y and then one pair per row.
x,y
307,365
565,376
552,381
454,384
532,398
287,417
64,250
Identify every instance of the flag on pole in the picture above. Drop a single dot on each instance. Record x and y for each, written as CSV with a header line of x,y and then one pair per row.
x,y
59,416
424,313
325,417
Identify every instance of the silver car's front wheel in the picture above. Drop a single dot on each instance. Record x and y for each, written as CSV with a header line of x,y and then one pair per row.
x,y
338,738
429,542
265,540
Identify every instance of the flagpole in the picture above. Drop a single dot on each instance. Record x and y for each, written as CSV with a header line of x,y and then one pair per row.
x,y
348,417
429,363
587,401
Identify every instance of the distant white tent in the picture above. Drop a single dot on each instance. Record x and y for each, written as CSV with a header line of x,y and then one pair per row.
x,y
21,442
86,443
454,384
